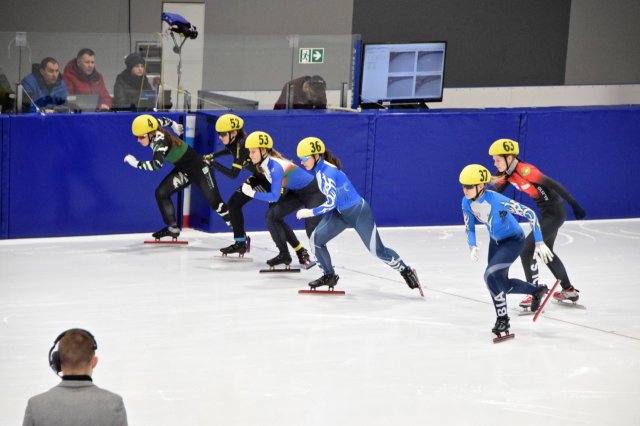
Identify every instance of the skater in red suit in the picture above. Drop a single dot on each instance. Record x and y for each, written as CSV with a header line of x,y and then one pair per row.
x,y
547,194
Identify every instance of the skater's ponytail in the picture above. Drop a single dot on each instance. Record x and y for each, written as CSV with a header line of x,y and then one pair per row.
x,y
329,158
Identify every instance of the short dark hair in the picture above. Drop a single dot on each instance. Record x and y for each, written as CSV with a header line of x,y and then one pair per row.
x,y
317,83
85,51
76,349
47,60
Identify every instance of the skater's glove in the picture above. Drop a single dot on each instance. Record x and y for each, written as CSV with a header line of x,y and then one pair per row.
x,y
579,212
304,213
473,253
543,253
208,159
131,160
248,190
177,128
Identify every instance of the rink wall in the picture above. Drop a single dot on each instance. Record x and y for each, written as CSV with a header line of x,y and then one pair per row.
x,y
64,174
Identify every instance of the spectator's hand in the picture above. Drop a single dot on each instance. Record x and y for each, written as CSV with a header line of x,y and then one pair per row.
x,y
104,107
473,253
304,213
248,190
131,160
543,253
177,128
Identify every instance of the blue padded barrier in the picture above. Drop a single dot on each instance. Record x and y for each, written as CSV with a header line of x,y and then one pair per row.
x,y
67,177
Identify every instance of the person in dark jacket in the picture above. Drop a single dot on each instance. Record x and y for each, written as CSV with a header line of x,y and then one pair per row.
x,y
44,87
308,92
82,78
131,84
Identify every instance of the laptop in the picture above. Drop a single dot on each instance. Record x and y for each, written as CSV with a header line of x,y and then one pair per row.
x,y
83,103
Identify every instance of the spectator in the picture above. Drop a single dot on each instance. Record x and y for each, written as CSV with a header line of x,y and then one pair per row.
x,y
75,400
304,93
6,92
131,84
44,87
82,78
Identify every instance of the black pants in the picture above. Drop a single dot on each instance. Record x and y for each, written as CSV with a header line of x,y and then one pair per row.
x,y
292,200
552,216
190,169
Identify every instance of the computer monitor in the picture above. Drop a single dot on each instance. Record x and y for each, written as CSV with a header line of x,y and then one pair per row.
x,y
401,73
83,102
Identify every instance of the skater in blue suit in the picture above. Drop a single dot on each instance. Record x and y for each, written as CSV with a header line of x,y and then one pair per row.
x,y
291,188
496,211
343,208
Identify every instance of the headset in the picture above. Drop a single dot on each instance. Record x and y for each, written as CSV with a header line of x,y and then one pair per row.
x,y
54,355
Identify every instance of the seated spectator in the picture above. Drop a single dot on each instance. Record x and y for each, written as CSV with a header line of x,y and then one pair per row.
x,y
131,84
308,92
82,78
75,400
44,88
6,94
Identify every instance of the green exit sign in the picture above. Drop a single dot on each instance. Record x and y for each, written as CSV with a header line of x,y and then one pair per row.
x,y
311,55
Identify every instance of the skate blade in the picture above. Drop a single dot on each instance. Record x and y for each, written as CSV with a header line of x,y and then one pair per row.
x,y
279,270
525,312
332,292
222,258
570,304
420,290
167,242
507,336
308,265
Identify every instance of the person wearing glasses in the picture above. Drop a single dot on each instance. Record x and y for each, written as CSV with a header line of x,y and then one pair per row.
x,y
480,205
343,208
189,167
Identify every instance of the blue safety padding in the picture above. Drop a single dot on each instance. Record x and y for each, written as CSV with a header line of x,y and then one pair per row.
x,y
4,177
67,177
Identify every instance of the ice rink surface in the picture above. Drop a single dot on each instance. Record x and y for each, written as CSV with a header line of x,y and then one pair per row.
x,y
190,340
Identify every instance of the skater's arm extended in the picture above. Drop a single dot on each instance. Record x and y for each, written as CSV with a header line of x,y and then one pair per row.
x,y
277,173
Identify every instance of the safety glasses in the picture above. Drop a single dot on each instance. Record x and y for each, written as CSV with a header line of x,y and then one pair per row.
x,y
303,159
468,186
141,138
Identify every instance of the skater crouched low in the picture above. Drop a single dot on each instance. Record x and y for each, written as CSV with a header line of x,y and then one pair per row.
x,y
496,211
343,208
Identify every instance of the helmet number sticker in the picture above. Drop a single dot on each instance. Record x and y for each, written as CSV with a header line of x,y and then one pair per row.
x,y
315,147
149,123
483,175
508,146
235,123
263,139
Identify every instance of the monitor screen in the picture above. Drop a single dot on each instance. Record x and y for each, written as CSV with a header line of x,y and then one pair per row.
x,y
402,73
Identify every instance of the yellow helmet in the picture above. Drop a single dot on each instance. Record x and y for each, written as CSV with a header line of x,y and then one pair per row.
x,y
504,147
259,140
310,146
228,123
144,124
474,174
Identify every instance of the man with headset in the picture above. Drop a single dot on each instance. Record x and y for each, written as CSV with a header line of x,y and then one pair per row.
x,y
76,400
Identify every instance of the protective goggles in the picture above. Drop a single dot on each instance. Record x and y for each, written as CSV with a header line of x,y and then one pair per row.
x,y
468,186
303,159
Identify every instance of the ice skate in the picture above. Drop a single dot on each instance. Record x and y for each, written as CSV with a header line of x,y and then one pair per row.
x,y
304,258
536,297
567,294
329,280
411,278
502,326
280,259
167,231
239,247
526,302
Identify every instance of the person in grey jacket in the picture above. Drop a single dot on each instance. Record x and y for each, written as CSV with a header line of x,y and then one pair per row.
x,y
76,400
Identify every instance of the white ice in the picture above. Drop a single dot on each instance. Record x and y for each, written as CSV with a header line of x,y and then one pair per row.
x,y
189,340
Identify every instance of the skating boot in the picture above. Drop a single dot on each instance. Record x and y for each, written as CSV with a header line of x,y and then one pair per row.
x,y
281,258
303,256
502,326
167,231
569,294
536,297
411,278
239,247
526,302
328,280
247,241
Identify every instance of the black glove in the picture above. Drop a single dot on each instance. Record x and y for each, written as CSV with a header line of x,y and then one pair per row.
x,y
208,159
579,212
